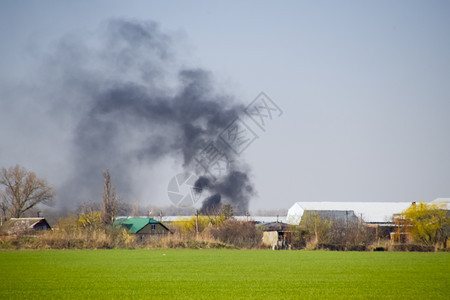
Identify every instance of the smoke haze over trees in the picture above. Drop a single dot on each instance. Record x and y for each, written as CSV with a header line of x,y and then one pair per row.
x,y
119,99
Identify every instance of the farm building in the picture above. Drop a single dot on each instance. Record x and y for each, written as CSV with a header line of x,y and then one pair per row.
x,y
377,215
16,226
369,212
142,226
276,234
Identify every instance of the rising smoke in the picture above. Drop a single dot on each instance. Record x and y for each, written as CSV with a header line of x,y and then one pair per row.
x,y
235,187
132,105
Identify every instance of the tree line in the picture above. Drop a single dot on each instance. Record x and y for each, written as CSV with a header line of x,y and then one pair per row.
x,y
22,190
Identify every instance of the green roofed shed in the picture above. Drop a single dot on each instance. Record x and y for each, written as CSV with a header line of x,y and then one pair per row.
x,y
141,226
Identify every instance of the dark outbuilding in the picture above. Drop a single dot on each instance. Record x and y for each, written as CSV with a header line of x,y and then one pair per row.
x,y
17,226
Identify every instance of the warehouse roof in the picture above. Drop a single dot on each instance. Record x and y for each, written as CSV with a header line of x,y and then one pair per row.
x,y
369,211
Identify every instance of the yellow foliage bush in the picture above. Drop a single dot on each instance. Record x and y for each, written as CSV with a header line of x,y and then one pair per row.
x,y
188,227
428,223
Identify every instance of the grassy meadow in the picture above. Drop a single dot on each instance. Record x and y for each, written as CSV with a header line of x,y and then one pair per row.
x,y
234,274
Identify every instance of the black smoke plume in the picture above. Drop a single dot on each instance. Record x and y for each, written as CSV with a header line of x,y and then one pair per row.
x,y
212,205
235,189
133,105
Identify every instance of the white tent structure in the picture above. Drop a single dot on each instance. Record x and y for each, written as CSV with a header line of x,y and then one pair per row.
x,y
370,212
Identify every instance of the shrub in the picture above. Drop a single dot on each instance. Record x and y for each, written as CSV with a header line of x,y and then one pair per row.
x,y
177,241
238,233
428,223
379,248
412,248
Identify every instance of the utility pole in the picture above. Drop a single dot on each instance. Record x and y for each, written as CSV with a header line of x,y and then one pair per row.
x,y
346,221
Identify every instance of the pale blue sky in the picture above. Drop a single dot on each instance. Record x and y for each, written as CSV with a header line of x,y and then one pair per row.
x,y
364,86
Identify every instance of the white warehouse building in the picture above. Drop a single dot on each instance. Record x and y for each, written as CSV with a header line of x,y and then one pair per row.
x,y
369,212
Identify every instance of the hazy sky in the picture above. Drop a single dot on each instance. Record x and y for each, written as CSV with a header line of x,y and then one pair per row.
x,y
364,88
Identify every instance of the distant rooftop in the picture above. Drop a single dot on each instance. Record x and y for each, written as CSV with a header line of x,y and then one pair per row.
x,y
369,211
134,224
257,219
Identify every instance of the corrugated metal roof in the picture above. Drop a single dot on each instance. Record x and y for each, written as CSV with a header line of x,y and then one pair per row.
x,y
274,226
262,219
134,224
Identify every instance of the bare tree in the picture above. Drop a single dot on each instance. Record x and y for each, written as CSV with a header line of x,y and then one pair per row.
x,y
109,207
22,190
238,233
227,211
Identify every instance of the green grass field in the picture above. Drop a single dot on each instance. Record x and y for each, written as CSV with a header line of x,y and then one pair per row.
x,y
207,274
